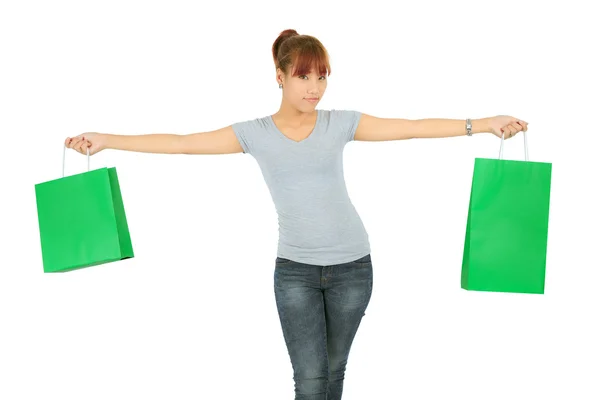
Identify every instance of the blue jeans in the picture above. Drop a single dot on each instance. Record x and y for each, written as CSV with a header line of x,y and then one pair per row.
x,y
320,309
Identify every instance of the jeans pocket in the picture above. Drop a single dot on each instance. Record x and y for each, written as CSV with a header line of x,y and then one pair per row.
x,y
281,260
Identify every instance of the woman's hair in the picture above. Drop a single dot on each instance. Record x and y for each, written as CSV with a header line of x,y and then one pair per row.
x,y
300,52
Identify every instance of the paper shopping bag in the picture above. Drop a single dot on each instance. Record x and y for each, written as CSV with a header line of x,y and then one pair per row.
x,y
507,226
82,220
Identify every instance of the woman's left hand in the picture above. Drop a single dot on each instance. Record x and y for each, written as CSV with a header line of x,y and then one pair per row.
x,y
507,125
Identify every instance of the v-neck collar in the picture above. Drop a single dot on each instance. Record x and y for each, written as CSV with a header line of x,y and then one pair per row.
x,y
312,133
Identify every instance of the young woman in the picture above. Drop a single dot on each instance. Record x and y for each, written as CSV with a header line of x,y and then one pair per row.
x,y
323,275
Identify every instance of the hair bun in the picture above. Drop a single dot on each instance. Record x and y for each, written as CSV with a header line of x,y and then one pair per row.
x,y
288,33
283,36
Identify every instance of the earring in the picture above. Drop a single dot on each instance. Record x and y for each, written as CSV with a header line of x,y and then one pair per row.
x,y
280,86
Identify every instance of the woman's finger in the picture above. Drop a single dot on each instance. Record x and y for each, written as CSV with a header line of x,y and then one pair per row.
x,y
516,127
79,145
75,142
508,130
523,125
512,131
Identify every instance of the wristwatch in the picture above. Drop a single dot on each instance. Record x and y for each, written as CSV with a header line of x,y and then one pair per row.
x,y
469,126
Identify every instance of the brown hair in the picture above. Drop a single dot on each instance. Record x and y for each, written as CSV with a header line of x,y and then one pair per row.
x,y
302,52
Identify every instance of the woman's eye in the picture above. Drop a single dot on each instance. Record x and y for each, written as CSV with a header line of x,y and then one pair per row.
x,y
322,76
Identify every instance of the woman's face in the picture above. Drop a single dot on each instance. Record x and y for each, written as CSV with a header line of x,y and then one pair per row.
x,y
298,89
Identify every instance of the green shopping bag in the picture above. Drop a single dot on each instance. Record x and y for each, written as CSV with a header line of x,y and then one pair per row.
x,y
82,220
507,225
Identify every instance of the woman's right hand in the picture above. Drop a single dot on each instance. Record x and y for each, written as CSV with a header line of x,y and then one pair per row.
x,y
92,140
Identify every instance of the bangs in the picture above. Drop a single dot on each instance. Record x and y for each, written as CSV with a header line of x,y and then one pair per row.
x,y
308,59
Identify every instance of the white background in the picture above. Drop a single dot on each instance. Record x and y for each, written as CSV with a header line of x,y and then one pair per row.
x,y
193,315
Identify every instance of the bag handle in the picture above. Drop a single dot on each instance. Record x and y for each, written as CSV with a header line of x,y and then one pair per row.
x,y
64,153
524,140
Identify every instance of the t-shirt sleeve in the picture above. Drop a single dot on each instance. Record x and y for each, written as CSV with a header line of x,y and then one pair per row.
x,y
347,120
243,132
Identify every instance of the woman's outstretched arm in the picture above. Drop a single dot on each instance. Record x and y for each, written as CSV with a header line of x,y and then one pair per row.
x,y
220,141
372,128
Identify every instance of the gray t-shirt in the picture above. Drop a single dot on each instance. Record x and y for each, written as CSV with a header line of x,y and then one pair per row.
x,y
318,223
